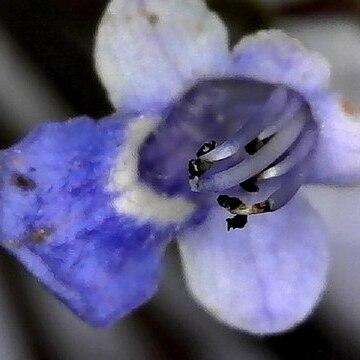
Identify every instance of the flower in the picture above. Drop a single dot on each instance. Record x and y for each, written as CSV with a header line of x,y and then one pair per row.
x,y
89,207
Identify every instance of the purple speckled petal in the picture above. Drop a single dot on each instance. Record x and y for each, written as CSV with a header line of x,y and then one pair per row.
x,y
265,278
60,217
148,51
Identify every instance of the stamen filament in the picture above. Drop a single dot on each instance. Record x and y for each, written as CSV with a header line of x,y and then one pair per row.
x,y
250,167
292,109
262,118
296,155
281,196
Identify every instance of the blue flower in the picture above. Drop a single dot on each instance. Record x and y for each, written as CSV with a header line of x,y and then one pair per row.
x,y
89,207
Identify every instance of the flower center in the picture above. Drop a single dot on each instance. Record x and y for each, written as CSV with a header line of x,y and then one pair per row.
x,y
249,137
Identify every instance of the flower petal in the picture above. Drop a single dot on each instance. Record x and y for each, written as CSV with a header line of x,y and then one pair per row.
x,y
272,56
147,51
337,157
265,278
63,216
337,37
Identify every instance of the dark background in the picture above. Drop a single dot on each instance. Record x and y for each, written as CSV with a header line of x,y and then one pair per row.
x,y
47,73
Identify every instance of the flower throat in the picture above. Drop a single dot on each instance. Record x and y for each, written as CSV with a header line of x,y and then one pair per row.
x,y
249,137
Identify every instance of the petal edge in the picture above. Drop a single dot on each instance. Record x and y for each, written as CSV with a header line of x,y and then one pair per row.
x,y
273,56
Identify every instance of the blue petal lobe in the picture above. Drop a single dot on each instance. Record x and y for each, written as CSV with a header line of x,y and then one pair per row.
x,y
265,278
57,217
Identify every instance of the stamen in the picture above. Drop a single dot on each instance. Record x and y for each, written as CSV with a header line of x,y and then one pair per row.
x,y
249,185
269,152
293,107
290,185
261,160
255,145
197,168
229,203
301,149
265,116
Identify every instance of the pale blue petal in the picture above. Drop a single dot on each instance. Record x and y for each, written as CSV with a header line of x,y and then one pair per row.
x,y
337,156
274,57
265,278
148,51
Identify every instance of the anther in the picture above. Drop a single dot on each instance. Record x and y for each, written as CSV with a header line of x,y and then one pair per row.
x,y
207,147
253,146
229,203
252,166
237,222
198,167
280,136
250,185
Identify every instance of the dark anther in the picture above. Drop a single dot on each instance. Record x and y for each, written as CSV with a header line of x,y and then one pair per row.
x,y
207,147
253,146
229,203
198,167
266,140
250,185
194,168
40,235
23,182
237,222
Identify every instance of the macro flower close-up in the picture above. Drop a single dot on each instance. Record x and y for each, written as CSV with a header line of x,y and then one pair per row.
x,y
208,146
